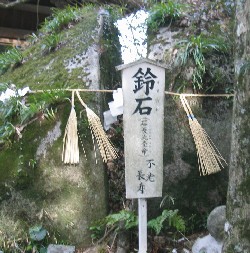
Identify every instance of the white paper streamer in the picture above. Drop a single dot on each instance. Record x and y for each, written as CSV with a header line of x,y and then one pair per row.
x,y
108,119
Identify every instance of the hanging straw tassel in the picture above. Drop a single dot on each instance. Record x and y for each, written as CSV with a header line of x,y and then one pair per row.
x,y
209,158
70,154
106,148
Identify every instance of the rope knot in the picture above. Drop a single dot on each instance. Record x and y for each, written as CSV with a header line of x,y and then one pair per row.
x,y
191,116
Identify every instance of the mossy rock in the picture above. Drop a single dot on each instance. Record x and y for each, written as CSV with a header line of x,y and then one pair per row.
x,y
66,200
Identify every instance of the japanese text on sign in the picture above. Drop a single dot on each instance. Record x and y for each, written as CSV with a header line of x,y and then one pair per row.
x,y
143,81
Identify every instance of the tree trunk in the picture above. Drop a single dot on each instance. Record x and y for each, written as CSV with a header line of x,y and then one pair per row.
x,y
238,199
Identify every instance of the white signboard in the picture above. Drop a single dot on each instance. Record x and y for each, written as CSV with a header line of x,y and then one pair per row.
x,y
143,84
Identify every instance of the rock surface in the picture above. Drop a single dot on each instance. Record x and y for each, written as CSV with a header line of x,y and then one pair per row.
x,y
60,249
207,244
181,172
37,188
216,222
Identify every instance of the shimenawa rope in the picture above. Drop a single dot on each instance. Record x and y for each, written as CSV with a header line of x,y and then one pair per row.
x,y
70,153
209,158
106,148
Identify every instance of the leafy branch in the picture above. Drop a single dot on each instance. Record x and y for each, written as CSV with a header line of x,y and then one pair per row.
x,y
172,217
11,58
60,18
126,220
194,49
164,12
112,223
16,113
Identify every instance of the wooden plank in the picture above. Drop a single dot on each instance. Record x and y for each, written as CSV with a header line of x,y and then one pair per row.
x,y
12,33
143,84
13,42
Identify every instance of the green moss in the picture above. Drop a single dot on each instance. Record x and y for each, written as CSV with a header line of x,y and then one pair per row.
x,y
9,162
245,231
245,186
164,14
69,197
50,71
61,193
16,160
45,72
244,130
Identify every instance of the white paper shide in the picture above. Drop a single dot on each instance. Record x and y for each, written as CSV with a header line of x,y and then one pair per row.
x,y
115,109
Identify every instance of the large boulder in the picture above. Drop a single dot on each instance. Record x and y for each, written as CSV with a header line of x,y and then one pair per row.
x,y
35,186
194,195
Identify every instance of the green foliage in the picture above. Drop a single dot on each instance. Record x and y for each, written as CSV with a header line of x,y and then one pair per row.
x,y
6,131
37,233
41,104
28,243
51,42
174,220
22,223
60,19
26,112
97,230
126,220
54,74
167,198
49,34
129,218
3,86
9,109
50,114
164,13
17,112
53,25
32,38
195,49
12,58
116,11
113,222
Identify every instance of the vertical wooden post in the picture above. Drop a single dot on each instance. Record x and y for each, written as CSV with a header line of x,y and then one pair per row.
x,y
143,84
142,213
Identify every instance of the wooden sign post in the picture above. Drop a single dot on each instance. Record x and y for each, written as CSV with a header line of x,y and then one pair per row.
x,y
143,84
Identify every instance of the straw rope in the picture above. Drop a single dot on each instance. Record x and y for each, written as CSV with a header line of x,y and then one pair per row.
x,y
110,91
209,158
70,153
83,149
106,148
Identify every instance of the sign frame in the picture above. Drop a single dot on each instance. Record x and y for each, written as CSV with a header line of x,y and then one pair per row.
x,y
143,84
